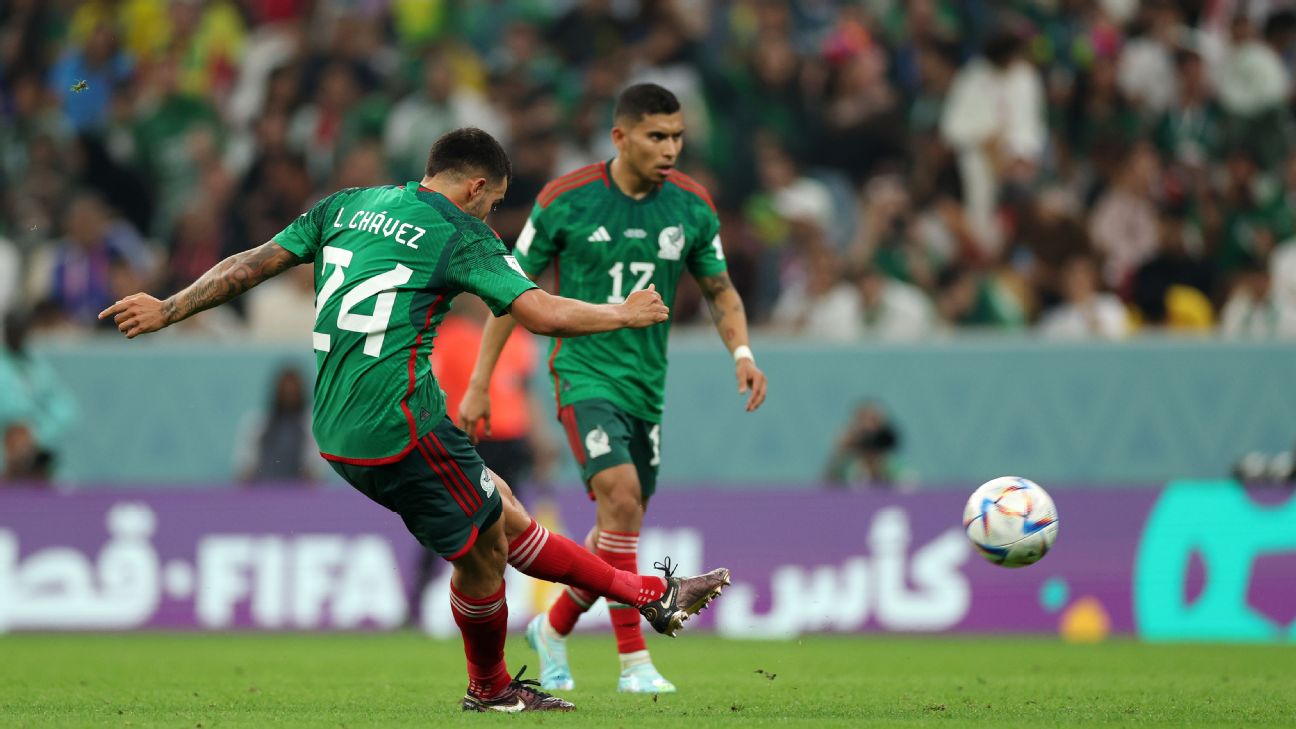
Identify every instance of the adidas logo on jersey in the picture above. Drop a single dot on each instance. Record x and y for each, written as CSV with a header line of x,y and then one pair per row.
x,y
600,236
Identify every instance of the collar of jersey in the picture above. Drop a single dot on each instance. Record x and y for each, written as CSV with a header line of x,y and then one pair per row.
x,y
619,193
426,195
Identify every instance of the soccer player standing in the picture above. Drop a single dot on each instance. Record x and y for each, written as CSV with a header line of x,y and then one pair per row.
x,y
388,261
612,230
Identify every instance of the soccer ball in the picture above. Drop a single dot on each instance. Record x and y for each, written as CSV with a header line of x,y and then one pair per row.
x,y
1011,521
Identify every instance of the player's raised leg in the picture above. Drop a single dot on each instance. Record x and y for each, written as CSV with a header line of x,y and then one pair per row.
x,y
443,493
666,602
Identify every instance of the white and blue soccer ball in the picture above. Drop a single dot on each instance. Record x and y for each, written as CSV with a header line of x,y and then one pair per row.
x,y
1011,521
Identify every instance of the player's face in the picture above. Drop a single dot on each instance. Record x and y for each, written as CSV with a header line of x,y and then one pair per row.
x,y
652,145
484,197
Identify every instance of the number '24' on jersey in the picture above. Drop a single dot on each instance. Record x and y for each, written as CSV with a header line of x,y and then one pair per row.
x,y
388,261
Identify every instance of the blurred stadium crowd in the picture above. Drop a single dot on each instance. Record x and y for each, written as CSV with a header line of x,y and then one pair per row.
x,y
883,168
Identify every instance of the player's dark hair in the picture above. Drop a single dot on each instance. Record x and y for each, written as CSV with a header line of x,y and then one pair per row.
x,y
641,100
469,151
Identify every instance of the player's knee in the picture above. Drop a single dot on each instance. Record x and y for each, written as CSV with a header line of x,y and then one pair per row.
x,y
622,506
495,546
516,519
482,567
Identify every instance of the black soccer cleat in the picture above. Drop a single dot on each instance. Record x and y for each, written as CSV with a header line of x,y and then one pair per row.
x,y
520,695
684,597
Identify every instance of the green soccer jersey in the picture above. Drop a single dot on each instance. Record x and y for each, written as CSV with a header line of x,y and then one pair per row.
x,y
388,262
604,245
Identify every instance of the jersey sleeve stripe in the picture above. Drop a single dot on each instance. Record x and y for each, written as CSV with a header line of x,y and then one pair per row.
x,y
585,171
547,200
578,172
553,354
579,178
684,182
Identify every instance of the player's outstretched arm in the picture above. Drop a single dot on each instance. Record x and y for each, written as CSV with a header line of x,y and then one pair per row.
x,y
553,316
731,322
475,406
558,316
140,313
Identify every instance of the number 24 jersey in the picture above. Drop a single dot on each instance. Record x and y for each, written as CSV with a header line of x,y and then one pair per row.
x,y
388,262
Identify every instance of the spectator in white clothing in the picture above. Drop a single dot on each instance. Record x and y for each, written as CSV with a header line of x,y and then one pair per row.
x,y
283,308
1254,88
1124,226
1262,302
1085,311
10,275
1251,79
424,115
820,304
892,309
994,119
1146,69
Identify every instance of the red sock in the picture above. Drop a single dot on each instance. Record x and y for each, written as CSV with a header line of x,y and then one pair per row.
x,y
484,624
620,549
553,557
567,609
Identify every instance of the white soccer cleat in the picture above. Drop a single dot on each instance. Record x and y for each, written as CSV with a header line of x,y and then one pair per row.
x,y
555,672
644,679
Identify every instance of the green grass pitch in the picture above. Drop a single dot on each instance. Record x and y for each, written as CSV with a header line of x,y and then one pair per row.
x,y
405,679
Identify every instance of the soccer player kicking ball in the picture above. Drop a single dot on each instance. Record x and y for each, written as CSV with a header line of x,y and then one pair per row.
x,y
612,231
388,261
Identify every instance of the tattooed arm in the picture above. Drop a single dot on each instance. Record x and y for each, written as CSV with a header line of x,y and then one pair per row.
x,y
726,309
140,313
731,322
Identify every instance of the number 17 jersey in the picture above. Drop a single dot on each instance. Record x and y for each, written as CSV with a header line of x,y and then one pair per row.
x,y
604,245
388,262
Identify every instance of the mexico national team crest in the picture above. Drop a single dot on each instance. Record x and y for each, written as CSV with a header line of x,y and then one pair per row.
x,y
670,243
487,483
597,442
